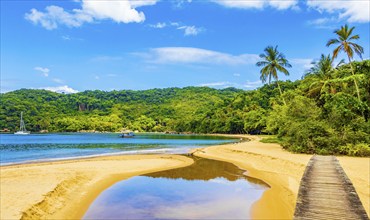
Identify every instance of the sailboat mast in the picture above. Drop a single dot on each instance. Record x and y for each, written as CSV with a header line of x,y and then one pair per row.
x,y
22,127
20,123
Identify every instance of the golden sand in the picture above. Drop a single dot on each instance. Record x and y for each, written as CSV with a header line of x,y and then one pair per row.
x,y
283,171
65,189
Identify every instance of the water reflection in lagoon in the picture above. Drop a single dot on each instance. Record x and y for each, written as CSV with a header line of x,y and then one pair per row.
x,y
208,189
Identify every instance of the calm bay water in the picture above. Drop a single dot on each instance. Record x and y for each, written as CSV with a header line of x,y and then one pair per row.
x,y
43,147
208,189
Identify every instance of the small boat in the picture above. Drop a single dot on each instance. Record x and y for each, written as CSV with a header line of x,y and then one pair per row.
x,y
22,127
127,134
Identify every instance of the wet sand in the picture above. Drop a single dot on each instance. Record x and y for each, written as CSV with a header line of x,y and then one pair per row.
x,y
283,171
65,189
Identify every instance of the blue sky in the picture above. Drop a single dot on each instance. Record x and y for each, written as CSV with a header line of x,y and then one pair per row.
x,y
82,45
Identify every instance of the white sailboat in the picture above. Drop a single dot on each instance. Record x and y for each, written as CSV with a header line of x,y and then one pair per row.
x,y
22,127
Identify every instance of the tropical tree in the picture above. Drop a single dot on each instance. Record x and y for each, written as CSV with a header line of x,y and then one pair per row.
x,y
322,74
324,65
272,62
344,39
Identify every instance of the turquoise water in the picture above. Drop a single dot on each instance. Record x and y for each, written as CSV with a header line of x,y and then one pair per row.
x,y
208,189
44,147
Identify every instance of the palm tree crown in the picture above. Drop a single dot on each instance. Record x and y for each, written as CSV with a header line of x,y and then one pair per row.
x,y
344,39
272,62
324,65
322,73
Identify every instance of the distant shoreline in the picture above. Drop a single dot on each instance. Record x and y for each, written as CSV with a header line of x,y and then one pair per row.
x,y
170,150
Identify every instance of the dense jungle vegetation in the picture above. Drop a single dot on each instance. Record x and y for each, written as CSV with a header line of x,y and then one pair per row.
x,y
326,112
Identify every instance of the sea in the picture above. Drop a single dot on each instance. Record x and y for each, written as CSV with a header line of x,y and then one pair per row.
x,y
17,149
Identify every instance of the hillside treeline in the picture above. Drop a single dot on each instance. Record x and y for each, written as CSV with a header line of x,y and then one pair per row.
x,y
323,112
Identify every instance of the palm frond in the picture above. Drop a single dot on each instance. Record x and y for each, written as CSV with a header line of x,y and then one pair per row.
x,y
332,41
336,51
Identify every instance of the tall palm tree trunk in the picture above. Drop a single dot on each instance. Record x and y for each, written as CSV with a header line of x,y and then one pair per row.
x,y
281,93
354,79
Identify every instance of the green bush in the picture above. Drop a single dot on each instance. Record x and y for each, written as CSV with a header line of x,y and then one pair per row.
x,y
358,150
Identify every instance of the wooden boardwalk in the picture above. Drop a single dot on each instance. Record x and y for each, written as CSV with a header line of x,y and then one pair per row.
x,y
327,193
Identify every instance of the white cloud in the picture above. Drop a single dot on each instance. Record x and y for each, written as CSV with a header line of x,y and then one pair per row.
x,y
159,25
350,10
60,89
236,74
190,30
90,11
167,55
176,24
96,77
180,3
45,71
258,4
55,15
240,4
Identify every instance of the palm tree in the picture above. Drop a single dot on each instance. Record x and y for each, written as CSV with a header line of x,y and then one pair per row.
x,y
322,74
344,39
324,65
272,62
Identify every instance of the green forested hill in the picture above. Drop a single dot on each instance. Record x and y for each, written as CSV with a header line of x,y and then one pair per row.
x,y
323,113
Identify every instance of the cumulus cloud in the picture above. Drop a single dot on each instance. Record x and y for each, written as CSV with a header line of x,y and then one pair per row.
x,y
90,11
350,10
45,71
258,4
60,89
55,15
196,55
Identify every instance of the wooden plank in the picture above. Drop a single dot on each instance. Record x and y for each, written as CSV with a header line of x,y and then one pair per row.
x,y
325,192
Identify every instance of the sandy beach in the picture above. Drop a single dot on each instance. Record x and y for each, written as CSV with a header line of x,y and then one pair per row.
x,y
65,189
283,171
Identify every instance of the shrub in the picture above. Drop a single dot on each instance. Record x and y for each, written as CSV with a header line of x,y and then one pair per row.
x,y
358,150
